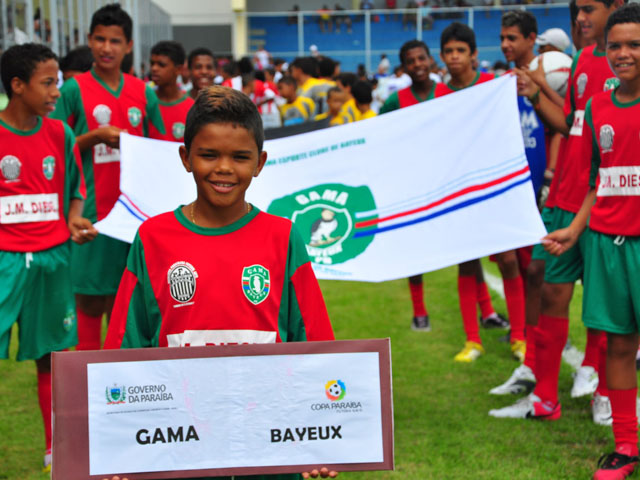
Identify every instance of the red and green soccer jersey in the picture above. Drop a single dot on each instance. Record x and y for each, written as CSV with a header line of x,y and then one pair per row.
x,y
174,115
249,282
443,89
87,103
40,174
405,98
615,166
590,74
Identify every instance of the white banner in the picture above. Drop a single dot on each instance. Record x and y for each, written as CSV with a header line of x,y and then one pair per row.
x,y
404,193
225,412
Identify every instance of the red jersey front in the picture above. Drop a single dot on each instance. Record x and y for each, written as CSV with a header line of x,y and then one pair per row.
x,y
41,173
443,89
87,103
174,116
249,282
590,74
615,166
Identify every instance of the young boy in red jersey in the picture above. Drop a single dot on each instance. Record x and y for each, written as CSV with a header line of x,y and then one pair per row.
x,y
41,199
203,257
590,74
167,61
610,208
98,105
201,69
459,53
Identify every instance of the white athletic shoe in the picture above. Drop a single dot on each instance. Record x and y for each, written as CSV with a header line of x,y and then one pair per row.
x,y
585,382
529,407
46,462
601,410
522,380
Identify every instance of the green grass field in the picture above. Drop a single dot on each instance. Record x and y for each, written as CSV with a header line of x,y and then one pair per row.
x,y
442,430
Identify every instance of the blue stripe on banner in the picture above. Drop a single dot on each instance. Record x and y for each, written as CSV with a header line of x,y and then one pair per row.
x,y
131,211
452,208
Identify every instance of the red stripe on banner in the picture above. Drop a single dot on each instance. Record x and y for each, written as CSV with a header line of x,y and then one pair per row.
x,y
134,205
464,191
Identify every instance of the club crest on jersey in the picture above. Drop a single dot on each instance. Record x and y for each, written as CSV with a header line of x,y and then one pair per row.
x,y
611,84
102,114
256,283
329,216
178,130
582,83
181,278
10,167
606,138
135,116
48,166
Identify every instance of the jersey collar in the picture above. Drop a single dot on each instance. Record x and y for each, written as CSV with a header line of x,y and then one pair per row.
x,y
115,93
23,133
175,102
237,225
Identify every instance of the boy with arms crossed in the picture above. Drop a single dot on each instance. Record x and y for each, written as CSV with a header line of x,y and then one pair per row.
x,y
98,105
590,74
610,208
247,292
41,199
167,61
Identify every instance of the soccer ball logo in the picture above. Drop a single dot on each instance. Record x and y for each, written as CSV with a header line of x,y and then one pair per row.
x,y
335,390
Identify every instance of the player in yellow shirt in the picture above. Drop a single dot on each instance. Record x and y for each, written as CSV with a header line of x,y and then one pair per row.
x,y
298,109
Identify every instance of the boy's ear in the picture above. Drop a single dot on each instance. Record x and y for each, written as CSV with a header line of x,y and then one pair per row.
x,y
262,159
130,46
17,86
184,156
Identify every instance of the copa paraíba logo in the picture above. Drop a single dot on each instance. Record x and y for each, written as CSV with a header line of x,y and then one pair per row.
x,y
336,391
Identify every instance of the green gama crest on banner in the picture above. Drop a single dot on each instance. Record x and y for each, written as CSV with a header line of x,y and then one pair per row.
x,y
325,216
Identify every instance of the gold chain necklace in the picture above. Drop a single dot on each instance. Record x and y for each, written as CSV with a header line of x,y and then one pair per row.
x,y
193,217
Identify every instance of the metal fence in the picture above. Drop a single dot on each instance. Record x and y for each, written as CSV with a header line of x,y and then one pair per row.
x,y
360,37
64,24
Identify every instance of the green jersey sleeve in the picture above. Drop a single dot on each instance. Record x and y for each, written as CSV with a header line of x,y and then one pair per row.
x,y
69,107
391,103
595,149
153,114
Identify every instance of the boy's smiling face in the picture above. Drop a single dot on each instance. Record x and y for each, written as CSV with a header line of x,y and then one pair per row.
x,y
223,159
623,51
592,18
109,45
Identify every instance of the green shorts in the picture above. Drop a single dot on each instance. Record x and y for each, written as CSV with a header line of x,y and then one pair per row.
x,y
35,291
611,300
568,267
97,266
539,253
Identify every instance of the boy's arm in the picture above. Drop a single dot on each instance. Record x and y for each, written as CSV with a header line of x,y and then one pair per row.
x,y
551,113
308,319
152,113
81,229
562,240
135,318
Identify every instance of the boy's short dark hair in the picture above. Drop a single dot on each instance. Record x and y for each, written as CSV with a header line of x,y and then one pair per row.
x,y
361,92
259,75
460,32
21,61
573,12
412,44
326,67
629,13
197,52
219,104
230,68
248,78
171,49
79,59
112,14
347,79
525,21
608,3
245,65
288,79
308,65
